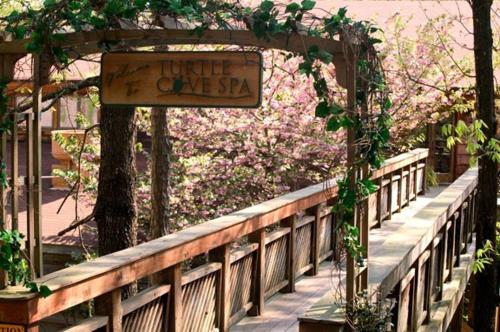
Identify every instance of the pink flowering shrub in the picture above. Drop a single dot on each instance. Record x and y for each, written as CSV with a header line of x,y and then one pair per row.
x,y
227,159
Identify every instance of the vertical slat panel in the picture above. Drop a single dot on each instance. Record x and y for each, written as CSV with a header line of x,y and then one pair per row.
x,y
405,303
241,283
325,235
302,250
422,284
437,263
199,304
276,262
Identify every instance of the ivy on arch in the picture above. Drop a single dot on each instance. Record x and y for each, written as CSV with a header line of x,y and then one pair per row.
x,y
368,119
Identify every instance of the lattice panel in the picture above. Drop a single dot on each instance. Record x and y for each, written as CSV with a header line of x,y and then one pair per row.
x,y
276,253
199,304
241,282
303,246
148,318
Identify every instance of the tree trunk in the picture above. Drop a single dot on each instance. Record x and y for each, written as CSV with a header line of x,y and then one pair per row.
x,y
160,172
486,293
115,210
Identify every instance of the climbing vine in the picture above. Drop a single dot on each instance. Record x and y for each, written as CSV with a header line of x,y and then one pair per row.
x,y
368,118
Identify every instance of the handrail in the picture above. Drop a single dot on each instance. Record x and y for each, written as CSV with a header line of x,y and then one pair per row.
x,y
82,282
426,224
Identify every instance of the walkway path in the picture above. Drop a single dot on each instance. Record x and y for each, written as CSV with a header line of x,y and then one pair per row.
x,y
282,310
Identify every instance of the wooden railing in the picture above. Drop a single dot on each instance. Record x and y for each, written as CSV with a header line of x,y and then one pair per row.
x,y
235,282
443,233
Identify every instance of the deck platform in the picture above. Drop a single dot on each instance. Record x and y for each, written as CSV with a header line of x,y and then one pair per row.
x,y
282,310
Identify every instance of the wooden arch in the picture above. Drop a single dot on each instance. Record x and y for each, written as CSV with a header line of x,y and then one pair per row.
x,y
93,42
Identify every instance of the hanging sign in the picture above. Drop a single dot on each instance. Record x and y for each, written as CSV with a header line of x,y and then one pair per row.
x,y
189,79
11,328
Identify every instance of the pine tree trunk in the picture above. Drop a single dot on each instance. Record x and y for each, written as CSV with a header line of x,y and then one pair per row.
x,y
160,172
115,210
486,292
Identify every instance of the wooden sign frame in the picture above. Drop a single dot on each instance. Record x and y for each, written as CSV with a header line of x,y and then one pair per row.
x,y
253,58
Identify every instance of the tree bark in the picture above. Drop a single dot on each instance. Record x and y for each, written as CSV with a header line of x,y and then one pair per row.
x,y
115,210
486,294
160,172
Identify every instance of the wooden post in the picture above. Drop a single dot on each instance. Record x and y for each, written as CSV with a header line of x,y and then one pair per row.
x,y
31,242
400,190
7,63
415,182
15,172
431,143
389,197
222,255
260,272
40,75
110,305
379,200
408,185
351,75
290,259
315,240
174,278
424,174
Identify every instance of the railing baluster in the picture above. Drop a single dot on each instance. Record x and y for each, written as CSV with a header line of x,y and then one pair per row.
x,y
389,197
222,255
260,272
110,305
457,245
315,241
400,190
379,201
290,266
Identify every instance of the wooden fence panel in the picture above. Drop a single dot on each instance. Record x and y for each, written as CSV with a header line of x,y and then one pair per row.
x,y
149,318
325,232
303,246
147,311
242,282
276,261
199,299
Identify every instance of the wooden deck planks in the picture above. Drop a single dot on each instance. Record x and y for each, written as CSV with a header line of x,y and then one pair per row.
x,y
282,310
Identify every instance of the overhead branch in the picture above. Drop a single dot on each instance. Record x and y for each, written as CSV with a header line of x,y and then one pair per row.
x,y
75,223
66,90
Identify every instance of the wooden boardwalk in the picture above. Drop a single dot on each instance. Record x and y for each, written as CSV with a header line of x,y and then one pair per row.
x,y
282,310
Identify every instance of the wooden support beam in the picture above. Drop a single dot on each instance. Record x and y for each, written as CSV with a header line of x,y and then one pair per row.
x,y
175,317
14,144
290,259
222,255
260,272
41,70
110,305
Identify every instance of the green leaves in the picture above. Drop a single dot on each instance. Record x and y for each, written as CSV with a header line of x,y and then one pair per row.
x,y
292,8
43,290
308,4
